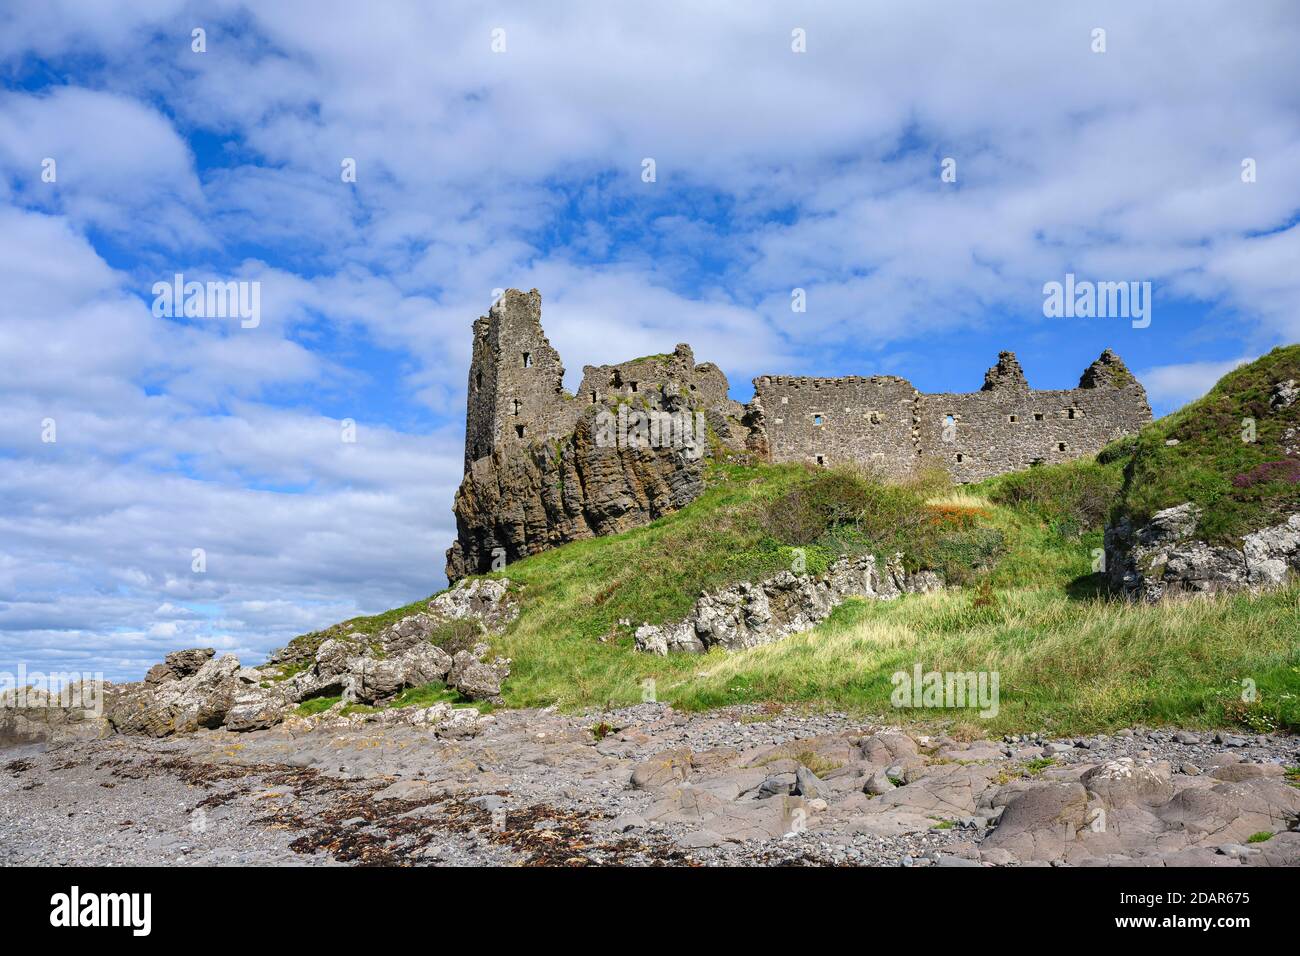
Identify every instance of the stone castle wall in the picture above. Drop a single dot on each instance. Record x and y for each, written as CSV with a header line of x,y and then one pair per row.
x,y
536,477
831,421
887,425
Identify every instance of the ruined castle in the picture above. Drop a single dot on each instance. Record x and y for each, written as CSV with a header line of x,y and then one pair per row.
x,y
541,468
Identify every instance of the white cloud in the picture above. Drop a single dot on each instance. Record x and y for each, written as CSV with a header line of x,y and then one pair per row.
x,y
119,165
1171,386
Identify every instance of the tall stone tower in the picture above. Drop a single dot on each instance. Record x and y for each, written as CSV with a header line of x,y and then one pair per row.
x,y
516,380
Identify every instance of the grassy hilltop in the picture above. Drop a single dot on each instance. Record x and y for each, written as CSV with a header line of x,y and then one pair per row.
x,y
1021,549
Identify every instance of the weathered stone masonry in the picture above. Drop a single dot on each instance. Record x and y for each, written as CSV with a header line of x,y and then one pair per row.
x,y
885,423
536,477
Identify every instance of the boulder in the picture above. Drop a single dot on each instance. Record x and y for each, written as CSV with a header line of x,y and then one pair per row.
x,y
332,657
809,785
142,711
373,679
1232,812
486,600
206,695
33,715
179,664
877,784
1039,823
887,747
1125,782
256,709
425,664
664,770
475,679
949,790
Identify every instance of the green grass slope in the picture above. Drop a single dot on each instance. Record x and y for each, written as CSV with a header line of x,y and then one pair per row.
x,y
1028,605
1228,455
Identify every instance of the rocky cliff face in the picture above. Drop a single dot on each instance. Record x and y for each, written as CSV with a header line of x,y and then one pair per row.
x,y
523,500
1164,558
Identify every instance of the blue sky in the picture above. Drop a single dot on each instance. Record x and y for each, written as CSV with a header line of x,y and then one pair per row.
x,y
479,170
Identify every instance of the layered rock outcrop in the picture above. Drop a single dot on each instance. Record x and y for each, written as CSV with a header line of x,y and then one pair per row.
x,y
1164,558
193,689
749,614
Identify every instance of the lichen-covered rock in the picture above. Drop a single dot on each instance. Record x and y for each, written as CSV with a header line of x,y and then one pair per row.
x,y
425,664
257,709
332,657
1273,553
208,694
190,698
1284,395
142,711
1164,557
179,664
31,715
749,614
372,679
490,603
476,679
486,600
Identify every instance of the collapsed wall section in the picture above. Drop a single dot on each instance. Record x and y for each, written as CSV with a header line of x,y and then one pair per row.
x,y
667,382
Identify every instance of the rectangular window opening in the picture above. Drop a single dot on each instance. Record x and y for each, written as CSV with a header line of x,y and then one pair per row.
x,y
519,430
528,360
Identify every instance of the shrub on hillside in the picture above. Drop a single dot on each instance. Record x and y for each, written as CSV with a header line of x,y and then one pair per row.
x,y
457,634
843,500
1073,497
1286,470
847,511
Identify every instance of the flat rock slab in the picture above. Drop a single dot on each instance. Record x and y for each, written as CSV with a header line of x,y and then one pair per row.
x,y
734,787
